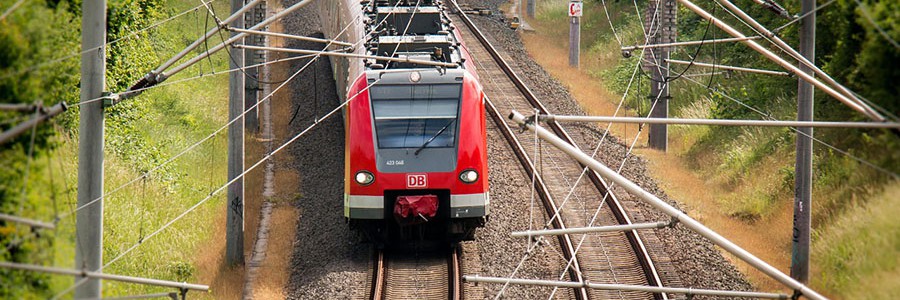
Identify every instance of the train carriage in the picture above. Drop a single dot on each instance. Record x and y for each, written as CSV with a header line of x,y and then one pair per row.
x,y
416,154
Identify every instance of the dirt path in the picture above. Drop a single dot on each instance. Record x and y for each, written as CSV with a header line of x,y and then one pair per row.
x,y
700,197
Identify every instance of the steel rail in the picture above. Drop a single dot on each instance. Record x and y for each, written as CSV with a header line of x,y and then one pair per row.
x,y
666,208
543,192
643,256
628,287
377,291
456,292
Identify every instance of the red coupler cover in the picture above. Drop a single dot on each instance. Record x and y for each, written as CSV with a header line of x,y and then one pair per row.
x,y
409,208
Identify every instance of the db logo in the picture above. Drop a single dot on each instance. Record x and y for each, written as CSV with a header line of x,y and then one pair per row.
x,y
416,181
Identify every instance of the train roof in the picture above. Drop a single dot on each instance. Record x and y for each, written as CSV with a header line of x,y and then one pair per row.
x,y
413,30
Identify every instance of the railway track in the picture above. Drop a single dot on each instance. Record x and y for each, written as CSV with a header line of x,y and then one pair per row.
x,y
615,257
431,275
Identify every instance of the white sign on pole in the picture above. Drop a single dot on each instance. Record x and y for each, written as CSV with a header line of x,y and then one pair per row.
x,y
575,9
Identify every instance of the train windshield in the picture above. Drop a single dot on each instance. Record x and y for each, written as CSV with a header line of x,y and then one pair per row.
x,y
414,116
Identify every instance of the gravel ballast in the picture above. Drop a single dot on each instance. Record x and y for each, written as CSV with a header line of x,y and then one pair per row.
x,y
331,262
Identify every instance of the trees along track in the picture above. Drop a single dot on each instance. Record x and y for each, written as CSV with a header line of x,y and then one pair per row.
x,y
614,257
429,275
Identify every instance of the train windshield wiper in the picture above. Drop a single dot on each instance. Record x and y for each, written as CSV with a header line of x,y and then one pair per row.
x,y
433,137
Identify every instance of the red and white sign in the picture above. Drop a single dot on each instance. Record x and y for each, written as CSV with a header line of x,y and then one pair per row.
x,y
575,9
416,181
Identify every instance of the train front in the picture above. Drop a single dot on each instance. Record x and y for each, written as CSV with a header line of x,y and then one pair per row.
x,y
416,166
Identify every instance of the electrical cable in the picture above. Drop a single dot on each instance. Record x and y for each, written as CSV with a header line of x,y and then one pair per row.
x,y
11,9
127,36
823,143
865,13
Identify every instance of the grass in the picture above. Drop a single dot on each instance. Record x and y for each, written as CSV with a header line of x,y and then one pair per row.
x,y
740,181
171,118
856,255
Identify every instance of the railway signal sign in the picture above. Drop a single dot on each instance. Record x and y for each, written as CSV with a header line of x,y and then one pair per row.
x,y
575,9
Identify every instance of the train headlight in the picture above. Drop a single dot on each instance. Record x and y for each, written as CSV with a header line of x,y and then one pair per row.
x,y
415,76
364,178
468,176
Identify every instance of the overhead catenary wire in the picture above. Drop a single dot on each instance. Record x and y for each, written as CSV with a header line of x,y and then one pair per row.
x,y
268,156
835,89
689,43
823,143
351,55
26,221
637,66
127,36
227,184
721,122
104,276
12,8
723,67
868,17
797,19
673,212
289,36
41,114
210,136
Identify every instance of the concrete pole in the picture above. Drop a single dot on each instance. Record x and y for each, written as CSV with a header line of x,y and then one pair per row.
x,y
661,26
234,240
803,166
659,99
530,8
251,82
574,41
89,221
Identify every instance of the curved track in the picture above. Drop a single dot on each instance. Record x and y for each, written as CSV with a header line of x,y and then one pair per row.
x,y
601,258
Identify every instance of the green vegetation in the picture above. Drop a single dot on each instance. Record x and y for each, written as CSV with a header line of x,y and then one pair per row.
x,y
756,164
141,133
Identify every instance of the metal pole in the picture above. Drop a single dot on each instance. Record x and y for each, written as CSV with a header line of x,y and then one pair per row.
x,y
574,40
26,221
724,67
865,109
667,209
689,43
89,221
233,17
251,80
624,287
719,122
354,55
582,230
783,63
100,275
530,8
803,166
277,16
664,14
293,37
27,125
234,236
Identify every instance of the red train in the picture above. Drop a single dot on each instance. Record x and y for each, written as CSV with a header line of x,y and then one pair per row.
x,y
416,153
